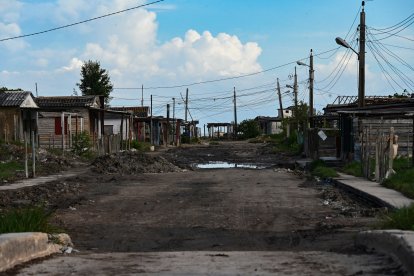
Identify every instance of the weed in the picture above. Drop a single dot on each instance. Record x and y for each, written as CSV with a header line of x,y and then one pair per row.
x,y
324,172
402,181
29,219
353,168
140,146
399,219
8,169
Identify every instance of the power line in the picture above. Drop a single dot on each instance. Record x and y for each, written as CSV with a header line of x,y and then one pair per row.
x,y
223,79
80,22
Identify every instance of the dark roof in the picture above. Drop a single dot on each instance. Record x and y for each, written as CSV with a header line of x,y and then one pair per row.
x,y
140,111
13,98
66,101
267,119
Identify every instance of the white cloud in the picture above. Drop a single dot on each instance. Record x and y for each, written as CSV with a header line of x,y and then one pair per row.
x,y
75,64
11,30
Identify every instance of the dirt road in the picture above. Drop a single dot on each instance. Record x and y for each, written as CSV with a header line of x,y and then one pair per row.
x,y
309,226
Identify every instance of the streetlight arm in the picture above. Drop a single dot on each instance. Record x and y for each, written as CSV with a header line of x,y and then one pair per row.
x,y
345,44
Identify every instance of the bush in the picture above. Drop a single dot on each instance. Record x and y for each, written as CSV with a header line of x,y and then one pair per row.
x,y
30,219
399,219
249,129
81,144
140,146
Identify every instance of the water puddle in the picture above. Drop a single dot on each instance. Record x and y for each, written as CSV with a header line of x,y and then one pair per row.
x,y
227,165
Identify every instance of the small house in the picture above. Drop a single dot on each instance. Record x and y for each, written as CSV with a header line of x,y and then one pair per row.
x,y
18,115
61,117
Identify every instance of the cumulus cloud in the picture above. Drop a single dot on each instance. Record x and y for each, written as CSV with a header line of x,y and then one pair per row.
x,y
75,64
11,30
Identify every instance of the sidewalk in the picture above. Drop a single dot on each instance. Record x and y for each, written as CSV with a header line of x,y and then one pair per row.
x,y
28,182
372,191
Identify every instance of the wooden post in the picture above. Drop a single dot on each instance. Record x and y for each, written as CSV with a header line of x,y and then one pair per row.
x,y
26,166
33,155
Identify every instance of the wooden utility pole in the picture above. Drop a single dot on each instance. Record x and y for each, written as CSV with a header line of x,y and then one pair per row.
x,y
142,95
174,124
361,56
151,138
280,99
168,125
235,113
295,90
186,105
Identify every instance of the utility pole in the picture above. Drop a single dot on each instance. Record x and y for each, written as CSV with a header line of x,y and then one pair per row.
x,y
142,95
295,91
174,127
311,78
361,56
235,114
168,125
151,138
186,105
280,99
36,90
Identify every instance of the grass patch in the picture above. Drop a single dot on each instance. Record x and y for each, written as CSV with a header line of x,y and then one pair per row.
x,y
29,219
402,181
8,169
140,146
399,219
319,168
353,168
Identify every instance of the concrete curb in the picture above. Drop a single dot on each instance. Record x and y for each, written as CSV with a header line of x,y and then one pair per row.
x,y
396,243
17,248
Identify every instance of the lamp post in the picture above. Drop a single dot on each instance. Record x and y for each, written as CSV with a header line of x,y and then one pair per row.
x,y
361,56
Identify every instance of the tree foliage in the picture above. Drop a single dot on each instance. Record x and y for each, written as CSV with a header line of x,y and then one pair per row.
x,y
95,80
4,89
249,129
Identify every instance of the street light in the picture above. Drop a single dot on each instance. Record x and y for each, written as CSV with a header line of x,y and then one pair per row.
x,y
342,42
301,63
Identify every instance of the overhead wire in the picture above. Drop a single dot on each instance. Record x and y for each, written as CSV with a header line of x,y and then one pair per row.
x,y
79,22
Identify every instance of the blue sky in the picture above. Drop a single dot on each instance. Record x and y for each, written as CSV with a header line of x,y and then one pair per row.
x,y
185,41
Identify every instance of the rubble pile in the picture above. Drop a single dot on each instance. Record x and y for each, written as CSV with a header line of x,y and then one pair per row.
x,y
132,163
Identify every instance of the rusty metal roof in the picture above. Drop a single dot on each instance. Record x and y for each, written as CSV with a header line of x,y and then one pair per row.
x,y
13,98
67,101
140,111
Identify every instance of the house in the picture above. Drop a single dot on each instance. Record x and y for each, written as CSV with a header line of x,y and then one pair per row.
x,y
18,115
62,116
141,121
269,125
220,130
348,126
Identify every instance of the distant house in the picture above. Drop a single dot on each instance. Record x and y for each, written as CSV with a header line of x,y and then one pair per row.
x,y
140,129
18,115
269,125
62,116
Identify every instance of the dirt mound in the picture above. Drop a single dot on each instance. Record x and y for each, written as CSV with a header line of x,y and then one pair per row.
x,y
131,163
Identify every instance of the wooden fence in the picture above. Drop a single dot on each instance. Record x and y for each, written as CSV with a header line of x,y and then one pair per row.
x,y
380,142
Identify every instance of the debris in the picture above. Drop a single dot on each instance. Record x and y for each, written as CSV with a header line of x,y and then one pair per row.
x,y
72,208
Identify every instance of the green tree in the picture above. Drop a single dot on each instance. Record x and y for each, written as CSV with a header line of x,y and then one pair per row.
x,y
3,89
249,129
95,80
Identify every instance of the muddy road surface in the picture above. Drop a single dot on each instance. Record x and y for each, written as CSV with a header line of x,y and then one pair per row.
x,y
219,221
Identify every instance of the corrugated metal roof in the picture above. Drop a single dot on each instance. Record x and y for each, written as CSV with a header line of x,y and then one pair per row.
x,y
66,101
140,111
13,98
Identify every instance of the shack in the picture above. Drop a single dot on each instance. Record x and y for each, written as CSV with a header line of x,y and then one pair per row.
x,y
18,115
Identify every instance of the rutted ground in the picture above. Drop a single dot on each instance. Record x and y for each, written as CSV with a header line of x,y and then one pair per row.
x,y
270,210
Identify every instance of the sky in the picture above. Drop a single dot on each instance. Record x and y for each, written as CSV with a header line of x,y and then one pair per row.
x,y
211,47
